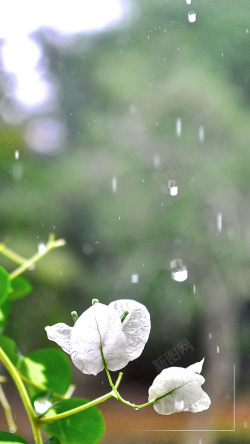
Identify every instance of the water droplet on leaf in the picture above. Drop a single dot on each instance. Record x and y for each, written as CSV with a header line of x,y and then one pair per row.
x,y
179,271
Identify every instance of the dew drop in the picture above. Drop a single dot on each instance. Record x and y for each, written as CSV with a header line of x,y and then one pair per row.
x,y
41,248
134,278
179,271
172,188
192,16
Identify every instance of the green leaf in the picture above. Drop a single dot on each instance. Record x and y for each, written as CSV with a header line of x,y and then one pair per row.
x,y
9,437
52,440
10,348
84,427
4,314
49,369
4,285
19,288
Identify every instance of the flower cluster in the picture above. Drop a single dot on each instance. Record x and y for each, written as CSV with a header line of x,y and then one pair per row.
x,y
109,336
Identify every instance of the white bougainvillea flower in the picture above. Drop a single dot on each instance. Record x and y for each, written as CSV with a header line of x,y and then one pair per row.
x,y
184,388
100,333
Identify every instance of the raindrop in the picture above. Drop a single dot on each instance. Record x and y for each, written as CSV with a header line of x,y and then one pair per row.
x,y
210,335
134,278
172,187
179,271
217,349
42,404
219,222
156,123
119,218
136,409
201,134
194,289
16,154
114,184
178,127
87,249
245,424
179,405
247,31
41,248
188,2
156,160
192,16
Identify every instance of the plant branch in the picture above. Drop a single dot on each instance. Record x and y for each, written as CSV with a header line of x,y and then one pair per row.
x,y
7,411
24,396
51,244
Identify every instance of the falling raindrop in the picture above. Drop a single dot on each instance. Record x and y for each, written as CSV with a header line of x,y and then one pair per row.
x,y
178,127
201,134
210,335
217,349
16,154
41,248
194,289
119,218
156,160
114,184
134,278
192,16
219,222
188,2
172,188
179,271
245,424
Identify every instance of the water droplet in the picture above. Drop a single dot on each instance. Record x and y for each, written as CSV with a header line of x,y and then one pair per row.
x,y
247,31
87,249
156,160
119,218
114,184
217,349
16,154
188,2
42,404
192,16
210,335
219,222
156,123
194,288
201,134
41,248
172,188
134,278
178,127
179,271
179,405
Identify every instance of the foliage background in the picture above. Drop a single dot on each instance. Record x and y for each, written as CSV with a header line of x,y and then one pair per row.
x,y
119,95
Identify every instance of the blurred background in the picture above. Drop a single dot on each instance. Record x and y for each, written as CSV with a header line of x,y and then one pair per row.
x,y
125,130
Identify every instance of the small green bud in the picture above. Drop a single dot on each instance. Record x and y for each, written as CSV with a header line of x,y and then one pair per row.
x,y
94,301
74,316
124,315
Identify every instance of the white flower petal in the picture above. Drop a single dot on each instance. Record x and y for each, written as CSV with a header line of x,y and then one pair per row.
x,y
136,326
60,333
98,327
197,367
203,404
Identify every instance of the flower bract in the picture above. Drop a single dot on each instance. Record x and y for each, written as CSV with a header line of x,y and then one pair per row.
x,y
179,390
103,336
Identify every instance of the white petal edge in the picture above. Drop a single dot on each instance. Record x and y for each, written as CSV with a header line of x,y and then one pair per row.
x,y
61,334
136,327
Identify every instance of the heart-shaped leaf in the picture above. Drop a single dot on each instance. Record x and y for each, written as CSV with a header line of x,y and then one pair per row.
x,y
10,348
19,288
84,427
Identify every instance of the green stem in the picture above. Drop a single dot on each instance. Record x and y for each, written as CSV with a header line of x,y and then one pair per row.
x,y
51,244
11,254
24,396
7,411
79,409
